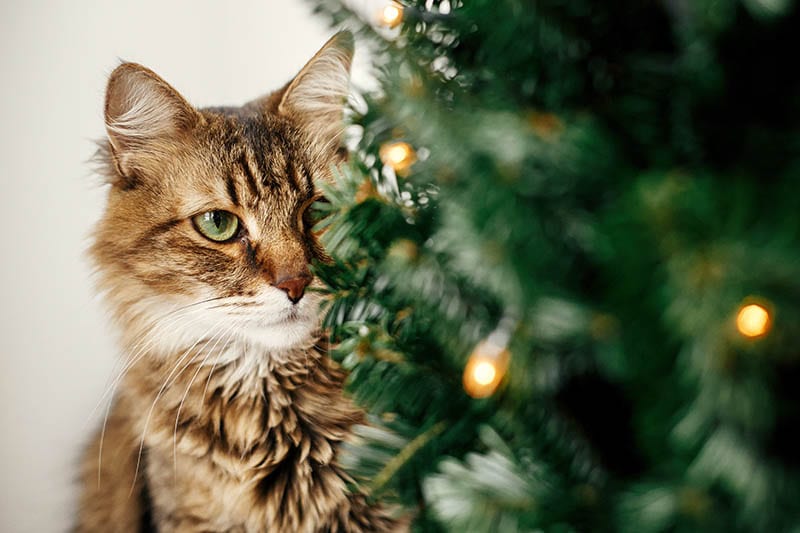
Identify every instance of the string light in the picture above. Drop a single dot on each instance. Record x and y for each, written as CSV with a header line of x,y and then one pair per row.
x,y
397,154
548,126
488,362
485,369
753,320
484,373
391,15
404,250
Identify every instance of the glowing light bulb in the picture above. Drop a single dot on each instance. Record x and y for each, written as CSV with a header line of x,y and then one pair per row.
x,y
398,154
391,15
753,320
484,373
485,369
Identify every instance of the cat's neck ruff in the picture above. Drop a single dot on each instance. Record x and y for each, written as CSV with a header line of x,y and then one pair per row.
x,y
239,359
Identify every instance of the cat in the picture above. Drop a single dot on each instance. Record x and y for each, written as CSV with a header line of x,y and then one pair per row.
x,y
228,413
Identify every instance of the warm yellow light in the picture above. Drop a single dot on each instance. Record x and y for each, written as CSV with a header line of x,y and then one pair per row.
x,y
485,369
484,373
753,320
391,15
399,155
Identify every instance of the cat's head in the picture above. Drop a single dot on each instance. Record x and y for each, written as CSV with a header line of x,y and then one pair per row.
x,y
207,234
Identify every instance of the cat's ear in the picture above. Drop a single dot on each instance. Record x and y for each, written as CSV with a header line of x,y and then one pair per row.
x,y
142,111
316,96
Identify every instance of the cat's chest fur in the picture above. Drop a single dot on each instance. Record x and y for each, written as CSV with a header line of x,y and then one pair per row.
x,y
238,448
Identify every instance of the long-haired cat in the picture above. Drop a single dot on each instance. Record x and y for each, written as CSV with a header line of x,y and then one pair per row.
x,y
228,414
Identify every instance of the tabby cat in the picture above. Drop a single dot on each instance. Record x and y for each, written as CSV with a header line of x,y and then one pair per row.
x,y
228,414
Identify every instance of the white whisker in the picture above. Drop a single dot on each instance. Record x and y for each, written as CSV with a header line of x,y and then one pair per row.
x,y
132,360
152,408
220,336
147,336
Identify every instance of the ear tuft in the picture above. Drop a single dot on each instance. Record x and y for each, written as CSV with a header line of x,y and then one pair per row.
x,y
316,96
142,108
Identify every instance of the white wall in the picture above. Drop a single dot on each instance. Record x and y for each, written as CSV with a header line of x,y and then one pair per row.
x,y
56,350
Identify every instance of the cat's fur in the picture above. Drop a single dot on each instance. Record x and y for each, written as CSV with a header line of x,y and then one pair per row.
x,y
228,415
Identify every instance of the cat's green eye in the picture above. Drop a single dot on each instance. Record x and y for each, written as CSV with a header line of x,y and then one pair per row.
x,y
216,225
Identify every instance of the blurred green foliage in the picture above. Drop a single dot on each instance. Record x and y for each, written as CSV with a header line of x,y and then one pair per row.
x,y
618,179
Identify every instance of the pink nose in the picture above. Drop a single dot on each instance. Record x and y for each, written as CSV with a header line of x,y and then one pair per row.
x,y
294,287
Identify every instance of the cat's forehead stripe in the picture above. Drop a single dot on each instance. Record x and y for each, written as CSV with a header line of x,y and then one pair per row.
x,y
230,185
247,171
276,155
291,173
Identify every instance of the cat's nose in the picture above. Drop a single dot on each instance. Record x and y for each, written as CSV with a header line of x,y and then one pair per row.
x,y
293,287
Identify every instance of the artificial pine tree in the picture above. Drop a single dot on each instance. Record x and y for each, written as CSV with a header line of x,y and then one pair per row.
x,y
566,275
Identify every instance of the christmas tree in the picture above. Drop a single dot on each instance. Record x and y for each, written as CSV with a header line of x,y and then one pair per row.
x,y
566,264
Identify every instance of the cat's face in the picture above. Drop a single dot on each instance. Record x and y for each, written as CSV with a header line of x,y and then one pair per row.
x,y
207,236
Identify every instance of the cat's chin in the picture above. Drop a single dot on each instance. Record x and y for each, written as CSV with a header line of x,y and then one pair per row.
x,y
287,334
